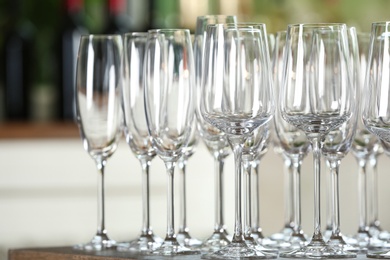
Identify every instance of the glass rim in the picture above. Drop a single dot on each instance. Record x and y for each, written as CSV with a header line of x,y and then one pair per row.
x,y
380,23
214,15
135,34
101,36
169,30
314,25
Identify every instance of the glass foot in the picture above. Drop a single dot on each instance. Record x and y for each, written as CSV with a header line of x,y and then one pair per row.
x,y
144,244
379,255
283,235
239,250
264,241
339,243
253,243
99,242
216,241
318,249
170,247
185,239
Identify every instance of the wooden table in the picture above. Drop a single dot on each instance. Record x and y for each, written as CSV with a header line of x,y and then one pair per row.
x,y
68,253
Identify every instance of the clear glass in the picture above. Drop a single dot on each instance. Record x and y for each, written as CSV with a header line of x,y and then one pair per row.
x,y
170,110
365,149
214,139
294,145
183,235
335,147
136,133
377,106
237,99
316,97
98,105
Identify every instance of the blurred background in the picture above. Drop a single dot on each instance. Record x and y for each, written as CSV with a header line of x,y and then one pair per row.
x,y
39,39
48,183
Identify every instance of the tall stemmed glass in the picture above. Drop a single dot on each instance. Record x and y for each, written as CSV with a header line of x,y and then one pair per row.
x,y
365,148
373,221
237,99
376,111
136,132
214,139
336,146
254,148
317,97
295,145
98,103
170,109
183,235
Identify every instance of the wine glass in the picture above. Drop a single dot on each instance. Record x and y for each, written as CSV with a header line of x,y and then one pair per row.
x,y
295,146
237,99
169,108
183,235
373,222
335,147
136,133
376,88
214,139
98,104
316,97
365,149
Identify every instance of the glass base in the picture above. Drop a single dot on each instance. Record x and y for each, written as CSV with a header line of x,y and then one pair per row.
x,y
252,243
318,249
283,235
264,241
185,239
170,247
339,243
144,244
98,243
379,255
216,241
239,250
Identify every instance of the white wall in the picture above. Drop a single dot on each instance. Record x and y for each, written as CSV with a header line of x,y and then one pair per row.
x,y
48,194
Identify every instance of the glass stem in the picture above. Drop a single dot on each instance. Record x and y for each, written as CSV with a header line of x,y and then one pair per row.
x,y
219,163
236,144
288,193
362,196
374,220
183,195
296,162
101,229
145,164
170,203
334,196
316,147
255,208
247,198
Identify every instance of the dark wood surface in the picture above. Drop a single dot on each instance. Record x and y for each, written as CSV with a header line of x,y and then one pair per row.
x,y
68,253
28,130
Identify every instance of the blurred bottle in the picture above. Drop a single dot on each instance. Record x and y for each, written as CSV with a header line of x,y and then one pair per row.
x,y
68,40
17,63
117,17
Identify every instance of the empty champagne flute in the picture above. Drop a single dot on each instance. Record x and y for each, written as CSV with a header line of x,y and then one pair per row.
x,y
376,88
237,99
170,110
336,146
136,133
316,97
214,139
183,235
98,104
295,146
